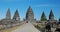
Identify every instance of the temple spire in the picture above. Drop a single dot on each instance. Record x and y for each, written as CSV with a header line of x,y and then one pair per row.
x,y
8,14
43,17
30,9
51,15
16,16
29,14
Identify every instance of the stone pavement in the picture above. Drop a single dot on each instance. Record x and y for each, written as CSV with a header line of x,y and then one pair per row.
x,y
28,27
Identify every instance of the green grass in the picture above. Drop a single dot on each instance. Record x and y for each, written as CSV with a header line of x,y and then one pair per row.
x,y
40,25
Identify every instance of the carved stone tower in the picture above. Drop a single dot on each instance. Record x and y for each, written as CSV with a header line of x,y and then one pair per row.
x,y
30,14
51,15
43,17
16,16
8,15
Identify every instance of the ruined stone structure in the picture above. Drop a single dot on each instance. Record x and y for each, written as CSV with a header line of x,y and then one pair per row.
x,y
8,22
43,17
30,15
51,15
8,14
16,16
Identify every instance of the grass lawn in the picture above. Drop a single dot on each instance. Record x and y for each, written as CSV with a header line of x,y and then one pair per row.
x,y
41,25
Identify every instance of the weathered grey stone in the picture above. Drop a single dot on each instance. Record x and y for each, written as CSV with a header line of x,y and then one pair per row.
x,y
43,17
51,15
8,14
8,22
29,14
16,16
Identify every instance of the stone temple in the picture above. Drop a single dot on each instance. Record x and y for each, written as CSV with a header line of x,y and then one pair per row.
x,y
8,14
51,16
30,15
8,22
16,16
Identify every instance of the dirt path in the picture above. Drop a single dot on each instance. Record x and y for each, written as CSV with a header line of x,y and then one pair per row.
x,y
28,27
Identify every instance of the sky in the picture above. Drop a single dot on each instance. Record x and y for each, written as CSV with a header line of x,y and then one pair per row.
x,y
38,7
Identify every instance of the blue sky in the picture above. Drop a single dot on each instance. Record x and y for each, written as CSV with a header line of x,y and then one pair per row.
x,y
38,7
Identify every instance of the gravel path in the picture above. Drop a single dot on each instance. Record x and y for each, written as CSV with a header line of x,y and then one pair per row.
x,y
28,27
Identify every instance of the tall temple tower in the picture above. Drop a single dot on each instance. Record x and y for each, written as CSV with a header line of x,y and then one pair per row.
x,y
30,14
43,17
8,14
16,16
51,15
